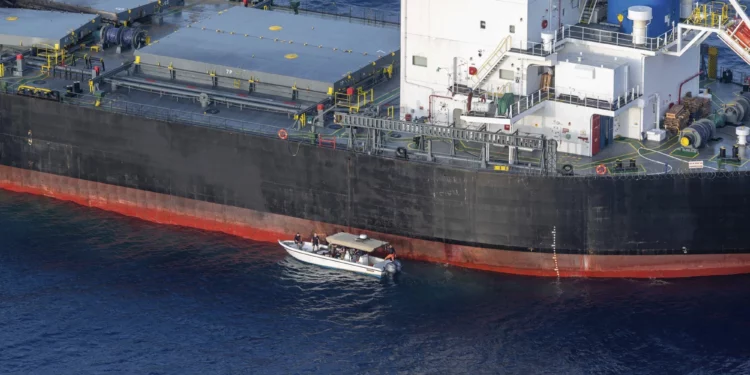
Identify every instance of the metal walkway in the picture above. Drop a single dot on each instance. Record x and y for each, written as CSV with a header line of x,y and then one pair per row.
x,y
728,21
500,139
547,148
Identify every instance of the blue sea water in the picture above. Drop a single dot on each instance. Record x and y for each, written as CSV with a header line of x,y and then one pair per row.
x,y
84,291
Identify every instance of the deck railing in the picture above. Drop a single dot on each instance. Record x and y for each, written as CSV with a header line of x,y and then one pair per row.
x,y
571,96
341,11
532,48
228,124
597,35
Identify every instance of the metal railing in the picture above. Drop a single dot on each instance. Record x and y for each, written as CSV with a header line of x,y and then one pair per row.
x,y
532,48
340,10
597,35
444,132
571,96
164,114
587,13
471,163
713,15
492,62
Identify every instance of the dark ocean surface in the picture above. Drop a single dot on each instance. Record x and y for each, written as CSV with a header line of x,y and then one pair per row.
x,y
84,291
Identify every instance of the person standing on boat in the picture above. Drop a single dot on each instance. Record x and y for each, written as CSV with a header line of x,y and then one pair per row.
x,y
298,240
315,242
391,253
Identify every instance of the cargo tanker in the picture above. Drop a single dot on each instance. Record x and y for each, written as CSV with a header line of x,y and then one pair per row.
x,y
551,142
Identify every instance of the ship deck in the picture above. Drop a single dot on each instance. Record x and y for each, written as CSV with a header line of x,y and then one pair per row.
x,y
650,157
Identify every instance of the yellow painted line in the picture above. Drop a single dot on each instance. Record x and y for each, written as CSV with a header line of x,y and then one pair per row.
x,y
680,156
713,159
661,148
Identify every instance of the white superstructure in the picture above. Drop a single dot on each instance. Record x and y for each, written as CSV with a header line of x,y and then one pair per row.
x,y
577,84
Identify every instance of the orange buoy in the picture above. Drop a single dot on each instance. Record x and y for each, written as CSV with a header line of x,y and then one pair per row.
x,y
283,134
601,169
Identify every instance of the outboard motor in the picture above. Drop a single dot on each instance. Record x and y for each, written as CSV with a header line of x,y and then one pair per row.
x,y
398,265
391,268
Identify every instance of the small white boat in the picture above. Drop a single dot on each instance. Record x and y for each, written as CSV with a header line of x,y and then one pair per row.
x,y
345,251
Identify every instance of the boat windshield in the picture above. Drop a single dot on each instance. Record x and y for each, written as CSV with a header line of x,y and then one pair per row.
x,y
361,243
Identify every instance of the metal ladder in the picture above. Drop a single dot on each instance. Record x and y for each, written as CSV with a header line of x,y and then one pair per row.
x,y
492,63
588,12
728,21
737,35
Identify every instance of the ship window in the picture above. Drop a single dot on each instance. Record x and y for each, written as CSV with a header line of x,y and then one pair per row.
x,y
419,60
512,29
482,24
507,74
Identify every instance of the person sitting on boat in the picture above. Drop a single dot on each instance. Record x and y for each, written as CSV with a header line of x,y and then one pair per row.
x,y
391,253
298,240
315,242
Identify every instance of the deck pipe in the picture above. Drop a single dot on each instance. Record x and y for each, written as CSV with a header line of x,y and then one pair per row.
x,y
12,58
216,94
679,92
192,94
295,107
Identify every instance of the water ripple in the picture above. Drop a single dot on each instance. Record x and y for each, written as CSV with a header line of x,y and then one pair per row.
x,y
83,290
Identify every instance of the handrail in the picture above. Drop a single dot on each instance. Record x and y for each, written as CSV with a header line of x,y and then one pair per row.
x,y
570,96
491,62
591,12
446,132
593,8
590,34
497,50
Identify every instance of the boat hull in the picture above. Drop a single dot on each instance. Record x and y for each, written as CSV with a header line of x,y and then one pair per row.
x,y
263,189
322,261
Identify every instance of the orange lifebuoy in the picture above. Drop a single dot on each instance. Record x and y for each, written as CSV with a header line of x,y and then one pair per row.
x,y
601,169
283,134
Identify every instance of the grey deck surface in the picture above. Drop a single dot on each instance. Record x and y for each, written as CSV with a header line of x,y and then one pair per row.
x,y
115,10
40,27
650,156
264,50
113,6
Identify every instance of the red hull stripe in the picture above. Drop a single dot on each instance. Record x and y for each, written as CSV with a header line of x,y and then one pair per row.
x,y
259,226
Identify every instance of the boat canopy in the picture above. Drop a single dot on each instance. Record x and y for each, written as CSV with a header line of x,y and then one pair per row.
x,y
362,242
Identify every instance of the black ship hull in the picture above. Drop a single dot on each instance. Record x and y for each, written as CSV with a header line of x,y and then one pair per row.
x,y
263,188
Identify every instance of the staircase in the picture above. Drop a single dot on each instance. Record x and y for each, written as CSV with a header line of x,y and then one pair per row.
x,y
728,21
588,12
737,37
492,64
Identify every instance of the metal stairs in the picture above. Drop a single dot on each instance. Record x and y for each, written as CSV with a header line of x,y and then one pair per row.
x,y
492,64
588,12
737,37
728,21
